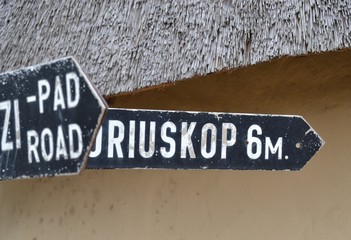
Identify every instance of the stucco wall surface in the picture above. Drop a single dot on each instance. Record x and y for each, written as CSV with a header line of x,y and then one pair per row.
x,y
313,203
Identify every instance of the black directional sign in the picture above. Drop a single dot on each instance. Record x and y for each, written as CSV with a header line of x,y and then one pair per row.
x,y
49,117
198,140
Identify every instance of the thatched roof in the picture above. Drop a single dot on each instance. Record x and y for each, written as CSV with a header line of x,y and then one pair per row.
x,y
130,44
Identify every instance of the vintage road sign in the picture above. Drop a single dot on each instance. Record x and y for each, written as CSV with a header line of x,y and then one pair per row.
x,y
198,140
49,117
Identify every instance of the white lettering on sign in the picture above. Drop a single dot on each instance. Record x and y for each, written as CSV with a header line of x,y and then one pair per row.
x,y
151,151
7,145
186,142
74,132
61,149
43,92
47,151
254,144
274,149
214,139
59,100
131,145
227,142
42,144
59,103
17,124
46,143
32,145
172,144
208,127
115,142
72,100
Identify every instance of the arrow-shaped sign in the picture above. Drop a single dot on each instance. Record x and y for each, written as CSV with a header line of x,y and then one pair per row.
x,y
198,140
49,117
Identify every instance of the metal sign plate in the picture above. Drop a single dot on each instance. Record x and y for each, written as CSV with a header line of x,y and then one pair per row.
x,y
198,140
49,116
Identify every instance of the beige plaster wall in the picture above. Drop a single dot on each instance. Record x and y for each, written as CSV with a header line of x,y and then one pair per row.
x,y
314,203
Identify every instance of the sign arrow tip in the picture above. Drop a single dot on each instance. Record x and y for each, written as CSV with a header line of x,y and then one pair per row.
x,y
310,144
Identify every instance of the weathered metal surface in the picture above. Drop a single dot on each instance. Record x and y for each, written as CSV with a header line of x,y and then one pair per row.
x,y
199,140
126,45
49,115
